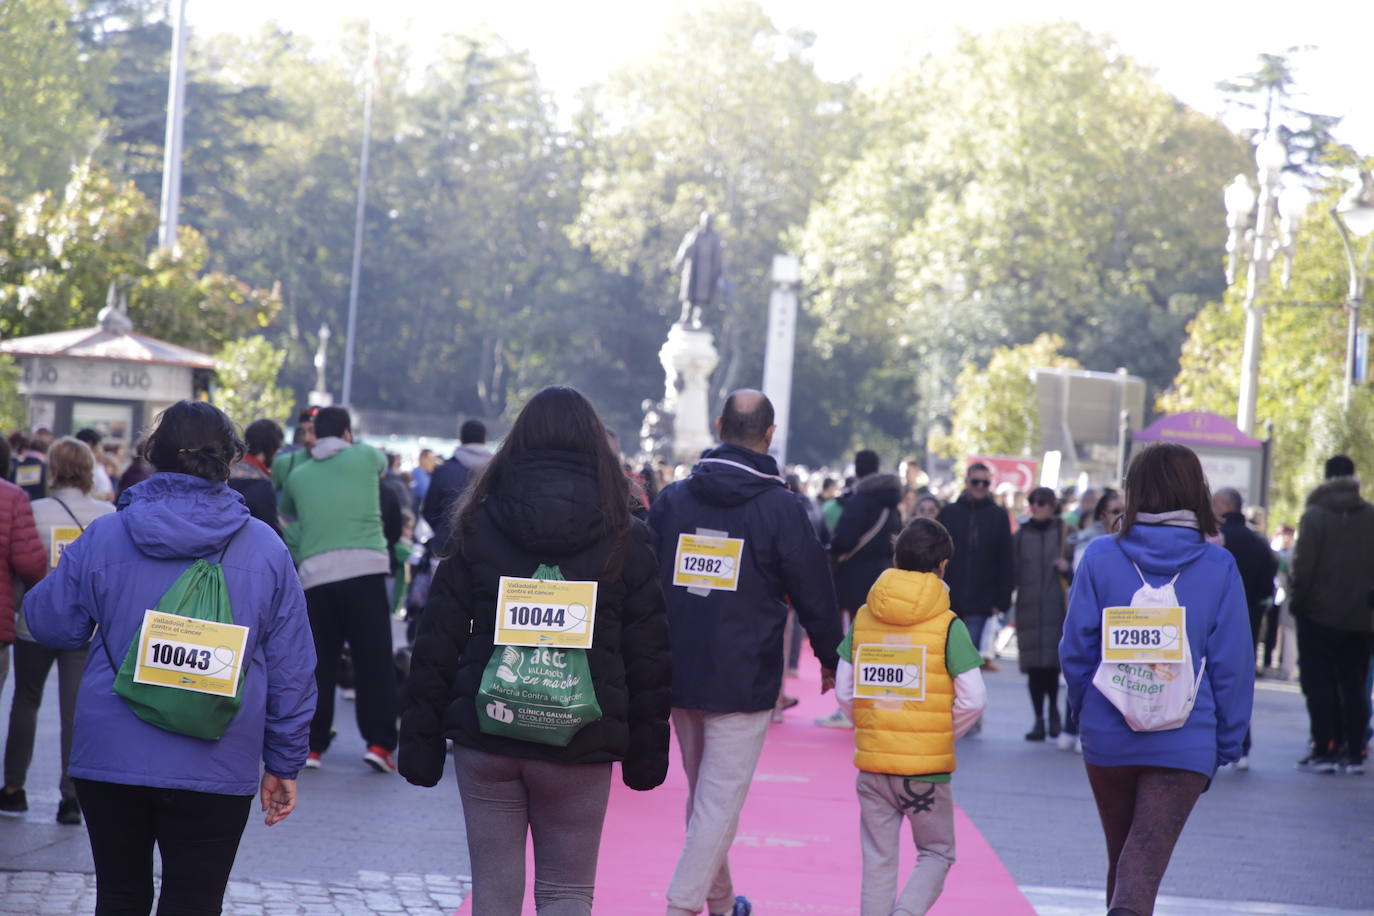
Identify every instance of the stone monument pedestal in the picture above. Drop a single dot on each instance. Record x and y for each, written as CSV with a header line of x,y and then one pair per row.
x,y
688,358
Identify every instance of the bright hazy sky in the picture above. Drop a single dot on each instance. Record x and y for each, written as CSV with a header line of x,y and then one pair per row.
x,y
1191,44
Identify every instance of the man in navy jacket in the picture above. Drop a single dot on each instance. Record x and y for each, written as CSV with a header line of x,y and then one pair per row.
x,y
733,544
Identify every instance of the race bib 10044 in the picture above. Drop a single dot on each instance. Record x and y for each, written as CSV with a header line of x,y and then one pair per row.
x,y
707,562
190,654
886,672
62,535
1143,634
545,612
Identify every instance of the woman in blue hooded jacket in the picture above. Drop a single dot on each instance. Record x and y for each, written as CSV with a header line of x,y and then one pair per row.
x,y
140,785
1146,783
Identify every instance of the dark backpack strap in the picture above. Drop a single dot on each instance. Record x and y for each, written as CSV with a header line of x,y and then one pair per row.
x,y
70,512
227,544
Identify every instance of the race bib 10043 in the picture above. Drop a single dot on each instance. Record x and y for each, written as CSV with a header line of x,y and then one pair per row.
x,y
886,672
707,562
190,654
545,612
1143,634
62,535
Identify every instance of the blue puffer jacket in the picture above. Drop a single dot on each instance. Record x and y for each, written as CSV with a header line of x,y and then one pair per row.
x,y
1218,626
727,646
119,568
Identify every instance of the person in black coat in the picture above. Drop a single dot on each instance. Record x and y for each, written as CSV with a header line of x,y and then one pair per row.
x,y
979,573
553,496
1258,565
251,476
866,531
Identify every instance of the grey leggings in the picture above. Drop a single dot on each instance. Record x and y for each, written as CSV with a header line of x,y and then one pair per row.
x,y
1143,810
563,806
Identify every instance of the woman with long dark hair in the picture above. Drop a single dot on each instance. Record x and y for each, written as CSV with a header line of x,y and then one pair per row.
x,y
553,504
141,784
1145,783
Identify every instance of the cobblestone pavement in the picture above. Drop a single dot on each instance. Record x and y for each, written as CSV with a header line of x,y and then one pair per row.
x,y
44,893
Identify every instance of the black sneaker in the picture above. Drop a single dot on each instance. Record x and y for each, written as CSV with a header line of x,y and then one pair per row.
x,y
69,812
1319,763
13,802
1353,765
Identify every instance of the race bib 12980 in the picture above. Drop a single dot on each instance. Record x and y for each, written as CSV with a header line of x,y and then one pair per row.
x,y
707,562
545,612
887,672
190,654
1143,634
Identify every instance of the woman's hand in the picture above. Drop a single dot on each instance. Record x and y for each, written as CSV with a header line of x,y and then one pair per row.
x,y
278,798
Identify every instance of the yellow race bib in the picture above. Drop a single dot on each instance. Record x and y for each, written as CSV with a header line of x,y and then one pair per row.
x,y
887,672
707,562
190,654
545,612
1143,634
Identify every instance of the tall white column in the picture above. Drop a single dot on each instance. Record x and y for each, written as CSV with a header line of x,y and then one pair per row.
x,y
168,214
780,349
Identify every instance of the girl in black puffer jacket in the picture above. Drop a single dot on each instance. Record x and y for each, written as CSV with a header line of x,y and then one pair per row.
x,y
553,496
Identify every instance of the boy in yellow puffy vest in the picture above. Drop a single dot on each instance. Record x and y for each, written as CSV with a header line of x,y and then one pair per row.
x,y
909,679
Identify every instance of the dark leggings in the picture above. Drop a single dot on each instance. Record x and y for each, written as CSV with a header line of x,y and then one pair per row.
x,y
1044,685
1143,810
196,832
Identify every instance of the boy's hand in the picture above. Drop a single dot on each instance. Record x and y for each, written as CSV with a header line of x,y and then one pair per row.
x,y
827,680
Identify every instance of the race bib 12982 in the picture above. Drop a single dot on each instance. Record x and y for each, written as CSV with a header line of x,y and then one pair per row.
x,y
1143,634
707,562
888,672
190,654
545,612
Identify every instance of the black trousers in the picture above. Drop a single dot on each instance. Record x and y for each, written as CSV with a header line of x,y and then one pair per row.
x,y
354,611
196,832
1334,670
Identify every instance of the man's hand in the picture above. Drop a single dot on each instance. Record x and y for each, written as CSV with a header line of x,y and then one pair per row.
x,y
278,798
827,680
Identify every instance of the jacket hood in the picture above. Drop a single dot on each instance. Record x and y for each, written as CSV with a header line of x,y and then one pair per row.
x,y
548,503
902,598
731,475
174,516
328,447
1339,494
472,457
886,488
1162,549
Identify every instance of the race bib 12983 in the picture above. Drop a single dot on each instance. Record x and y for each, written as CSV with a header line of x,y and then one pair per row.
x,y
707,562
1143,634
190,654
888,672
545,612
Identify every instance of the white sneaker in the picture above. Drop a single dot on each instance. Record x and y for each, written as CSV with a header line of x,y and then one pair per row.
x,y
836,719
1065,741
1243,762
1077,744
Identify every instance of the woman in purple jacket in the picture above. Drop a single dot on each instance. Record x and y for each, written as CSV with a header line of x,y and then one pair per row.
x,y
138,784
1145,783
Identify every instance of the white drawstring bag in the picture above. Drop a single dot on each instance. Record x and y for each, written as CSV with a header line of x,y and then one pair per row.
x,y
1152,695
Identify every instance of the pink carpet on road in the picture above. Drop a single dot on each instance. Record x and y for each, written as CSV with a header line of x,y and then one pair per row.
x,y
797,850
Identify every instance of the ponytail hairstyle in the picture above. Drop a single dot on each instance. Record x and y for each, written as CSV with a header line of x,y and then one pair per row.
x,y
196,438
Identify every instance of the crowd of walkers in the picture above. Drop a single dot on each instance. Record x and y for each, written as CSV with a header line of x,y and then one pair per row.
x,y
205,600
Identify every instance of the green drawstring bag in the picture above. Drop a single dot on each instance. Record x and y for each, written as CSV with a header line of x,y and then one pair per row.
x,y
187,677
538,694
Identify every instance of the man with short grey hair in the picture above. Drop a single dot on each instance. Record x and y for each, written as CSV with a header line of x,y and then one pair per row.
x,y
733,545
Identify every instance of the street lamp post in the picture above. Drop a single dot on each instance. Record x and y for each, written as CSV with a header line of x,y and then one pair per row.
x,y
1354,214
1270,157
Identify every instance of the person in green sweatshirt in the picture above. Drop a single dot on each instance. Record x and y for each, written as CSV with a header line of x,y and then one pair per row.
x,y
334,531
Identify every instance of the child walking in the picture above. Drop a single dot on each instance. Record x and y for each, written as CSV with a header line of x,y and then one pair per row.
x,y
909,679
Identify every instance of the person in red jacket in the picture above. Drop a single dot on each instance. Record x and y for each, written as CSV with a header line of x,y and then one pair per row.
x,y
22,555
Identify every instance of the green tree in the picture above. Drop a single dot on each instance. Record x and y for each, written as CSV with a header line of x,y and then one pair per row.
x,y
1301,374
996,411
1031,180
12,413
43,87
726,114
247,387
62,251
1269,93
